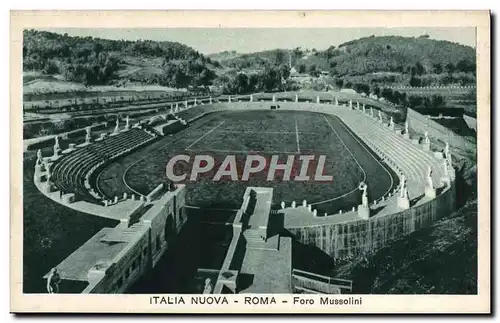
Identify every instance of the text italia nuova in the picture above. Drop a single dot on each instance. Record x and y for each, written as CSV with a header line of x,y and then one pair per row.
x,y
206,300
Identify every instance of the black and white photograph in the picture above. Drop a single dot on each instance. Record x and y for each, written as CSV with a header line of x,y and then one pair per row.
x,y
205,162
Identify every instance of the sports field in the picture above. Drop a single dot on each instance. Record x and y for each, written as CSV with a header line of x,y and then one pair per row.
x,y
265,133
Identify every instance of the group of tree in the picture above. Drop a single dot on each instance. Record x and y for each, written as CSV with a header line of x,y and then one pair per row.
x,y
269,79
95,61
412,101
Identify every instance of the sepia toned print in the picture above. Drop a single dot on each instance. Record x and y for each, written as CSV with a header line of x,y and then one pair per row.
x,y
223,168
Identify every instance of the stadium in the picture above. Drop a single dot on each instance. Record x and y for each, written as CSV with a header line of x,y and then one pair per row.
x,y
388,180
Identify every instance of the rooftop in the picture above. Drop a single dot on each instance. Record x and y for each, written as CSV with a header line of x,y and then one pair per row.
x,y
268,268
77,265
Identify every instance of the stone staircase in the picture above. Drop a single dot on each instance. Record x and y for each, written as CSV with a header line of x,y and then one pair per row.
x,y
253,236
255,240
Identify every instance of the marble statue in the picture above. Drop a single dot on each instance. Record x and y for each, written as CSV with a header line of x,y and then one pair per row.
x,y
56,145
447,150
406,126
429,178
208,286
39,157
364,197
403,185
127,122
426,138
391,122
445,168
53,281
117,127
88,137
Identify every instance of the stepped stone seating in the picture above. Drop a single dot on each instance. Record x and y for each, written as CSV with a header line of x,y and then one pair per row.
x,y
395,150
69,173
194,112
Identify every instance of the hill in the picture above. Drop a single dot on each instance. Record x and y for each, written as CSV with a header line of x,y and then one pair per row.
x,y
381,57
95,61
441,259
60,63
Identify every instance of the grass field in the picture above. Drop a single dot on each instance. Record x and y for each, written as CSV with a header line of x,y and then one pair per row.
x,y
265,133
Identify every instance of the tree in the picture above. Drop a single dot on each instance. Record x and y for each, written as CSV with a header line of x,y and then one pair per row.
x,y
241,84
285,71
437,101
415,81
301,68
313,71
438,68
450,68
387,94
419,69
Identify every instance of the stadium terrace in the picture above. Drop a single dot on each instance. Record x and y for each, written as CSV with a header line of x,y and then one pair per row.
x,y
182,168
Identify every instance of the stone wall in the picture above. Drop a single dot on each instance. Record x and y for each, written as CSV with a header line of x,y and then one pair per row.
x,y
351,239
165,217
420,123
143,252
128,266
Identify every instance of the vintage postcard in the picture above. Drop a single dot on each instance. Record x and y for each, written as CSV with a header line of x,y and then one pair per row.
x,y
250,162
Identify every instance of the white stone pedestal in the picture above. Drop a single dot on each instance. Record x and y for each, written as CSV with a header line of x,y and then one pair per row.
x,y
363,212
406,136
47,187
438,154
445,180
403,203
68,198
430,192
426,147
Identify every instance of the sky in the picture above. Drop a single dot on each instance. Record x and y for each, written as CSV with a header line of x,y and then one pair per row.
x,y
246,40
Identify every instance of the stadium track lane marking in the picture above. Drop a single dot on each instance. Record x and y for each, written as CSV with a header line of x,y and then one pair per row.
x,y
297,136
376,159
348,150
364,173
209,132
